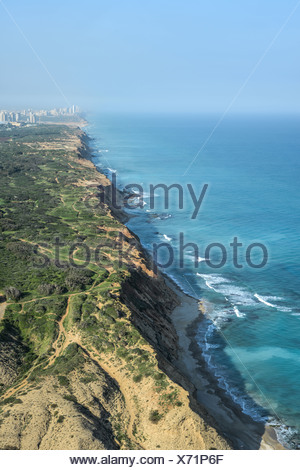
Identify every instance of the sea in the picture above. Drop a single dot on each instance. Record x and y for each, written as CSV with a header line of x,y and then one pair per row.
x,y
228,234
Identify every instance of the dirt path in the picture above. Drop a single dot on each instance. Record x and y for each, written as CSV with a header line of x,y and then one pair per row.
x,y
3,306
64,338
19,386
15,389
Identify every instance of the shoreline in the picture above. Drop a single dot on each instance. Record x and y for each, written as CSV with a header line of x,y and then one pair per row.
x,y
239,428
97,353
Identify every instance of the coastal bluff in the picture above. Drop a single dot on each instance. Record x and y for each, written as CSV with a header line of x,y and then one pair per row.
x,y
88,348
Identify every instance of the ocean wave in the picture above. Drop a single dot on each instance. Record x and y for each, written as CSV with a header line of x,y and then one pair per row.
x,y
234,294
220,315
237,312
285,434
213,280
148,195
135,199
266,300
194,258
167,238
239,295
208,344
160,216
249,406
207,283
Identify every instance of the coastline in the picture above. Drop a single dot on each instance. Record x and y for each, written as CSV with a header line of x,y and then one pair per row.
x,y
129,344
99,358
242,430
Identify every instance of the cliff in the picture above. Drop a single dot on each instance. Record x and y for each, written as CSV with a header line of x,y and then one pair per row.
x,y
89,350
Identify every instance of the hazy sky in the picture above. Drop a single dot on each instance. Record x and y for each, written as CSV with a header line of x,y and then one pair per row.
x,y
150,55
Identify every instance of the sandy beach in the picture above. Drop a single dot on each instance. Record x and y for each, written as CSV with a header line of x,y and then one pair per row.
x,y
239,428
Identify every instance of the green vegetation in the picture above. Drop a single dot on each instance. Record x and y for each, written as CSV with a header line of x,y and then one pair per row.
x,y
11,400
70,398
41,202
43,213
87,378
155,416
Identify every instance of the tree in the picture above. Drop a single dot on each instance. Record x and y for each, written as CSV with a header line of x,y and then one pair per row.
x,y
46,289
12,293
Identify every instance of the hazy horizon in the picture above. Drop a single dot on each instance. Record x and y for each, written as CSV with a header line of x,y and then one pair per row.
x,y
192,57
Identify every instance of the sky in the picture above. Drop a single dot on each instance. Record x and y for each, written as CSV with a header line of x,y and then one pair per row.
x,y
194,56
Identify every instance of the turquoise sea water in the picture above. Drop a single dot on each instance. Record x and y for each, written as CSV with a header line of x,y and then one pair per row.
x,y
251,338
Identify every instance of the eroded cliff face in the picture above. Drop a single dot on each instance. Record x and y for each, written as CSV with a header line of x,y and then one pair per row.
x,y
91,364
45,415
151,302
12,352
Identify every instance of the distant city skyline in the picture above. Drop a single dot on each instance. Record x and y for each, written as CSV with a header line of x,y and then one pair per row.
x,y
33,116
159,56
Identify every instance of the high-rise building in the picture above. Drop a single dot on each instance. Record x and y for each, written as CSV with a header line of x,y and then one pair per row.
x,y
32,118
3,116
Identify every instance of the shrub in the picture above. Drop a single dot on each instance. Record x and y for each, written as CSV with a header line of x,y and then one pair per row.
x,y
70,398
20,249
137,378
59,289
155,416
12,293
46,289
78,278
63,380
88,378
39,309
